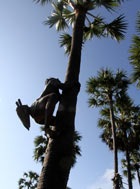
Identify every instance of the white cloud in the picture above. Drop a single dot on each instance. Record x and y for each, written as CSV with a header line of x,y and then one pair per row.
x,y
108,175
105,182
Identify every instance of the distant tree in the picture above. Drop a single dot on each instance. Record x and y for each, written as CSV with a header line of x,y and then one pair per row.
x,y
135,158
29,180
129,123
134,165
41,143
104,90
127,119
135,53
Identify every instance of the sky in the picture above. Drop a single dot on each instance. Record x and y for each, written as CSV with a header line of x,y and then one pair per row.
x,y
30,53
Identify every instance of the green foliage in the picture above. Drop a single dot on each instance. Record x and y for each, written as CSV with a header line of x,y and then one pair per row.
x,y
76,150
28,181
40,143
65,40
135,54
116,28
64,14
138,23
95,28
127,121
105,86
57,18
42,1
109,5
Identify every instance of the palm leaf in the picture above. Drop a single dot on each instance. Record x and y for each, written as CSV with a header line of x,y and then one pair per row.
x,y
40,143
138,23
76,148
57,18
42,1
136,75
69,15
40,140
95,28
65,41
116,28
110,5
21,181
135,51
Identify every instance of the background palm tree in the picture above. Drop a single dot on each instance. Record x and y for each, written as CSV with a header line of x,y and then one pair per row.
x,y
41,143
135,53
29,180
126,117
85,25
135,158
105,90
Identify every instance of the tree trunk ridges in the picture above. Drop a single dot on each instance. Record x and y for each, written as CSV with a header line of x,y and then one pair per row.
x,y
58,159
138,172
57,163
115,179
75,55
130,186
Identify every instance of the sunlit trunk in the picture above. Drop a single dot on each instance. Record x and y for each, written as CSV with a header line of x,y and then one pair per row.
x,y
138,172
130,186
115,179
57,162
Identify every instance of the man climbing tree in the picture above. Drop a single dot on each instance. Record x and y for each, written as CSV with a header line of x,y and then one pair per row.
x,y
43,107
85,25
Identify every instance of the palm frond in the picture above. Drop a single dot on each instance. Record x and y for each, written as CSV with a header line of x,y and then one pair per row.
x,y
135,51
40,143
116,29
95,28
42,2
65,41
69,16
40,140
135,54
109,5
57,18
138,23
76,148
39,154
21,181
136,76
105,112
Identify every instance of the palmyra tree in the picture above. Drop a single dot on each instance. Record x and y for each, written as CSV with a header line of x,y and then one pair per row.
x,y
79,17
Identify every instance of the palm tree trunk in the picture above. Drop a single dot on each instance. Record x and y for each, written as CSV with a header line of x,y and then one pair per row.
x,y
73,69
115,179
58,159
138,172
129,170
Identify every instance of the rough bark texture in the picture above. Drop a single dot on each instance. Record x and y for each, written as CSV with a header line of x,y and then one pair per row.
x,y
58,159
138,172
115,180
130,186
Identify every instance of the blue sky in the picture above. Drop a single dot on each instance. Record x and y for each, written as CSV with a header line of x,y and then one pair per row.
x,y
30,53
